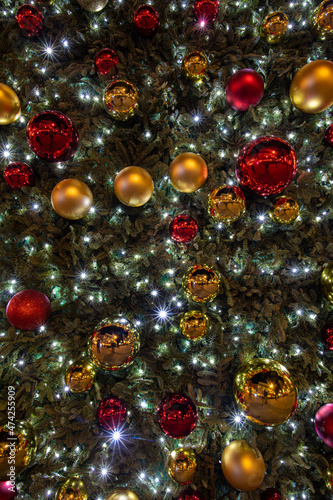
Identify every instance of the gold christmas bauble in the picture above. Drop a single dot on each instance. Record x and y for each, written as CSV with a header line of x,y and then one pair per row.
x,y
92,5
322,20
274,27
121,99
194,325
226,204
188,172
72,489
328,475
182,465
285,210
10,107
114,344
194,65
133,186
71,199
80,376
243,465
265,392
17,447
201,283
122,494
327,282
311,89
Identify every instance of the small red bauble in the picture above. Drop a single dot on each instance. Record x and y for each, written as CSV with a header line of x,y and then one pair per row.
x,y
324,424
327,336
19,174
106,61
266,165
6,492
244,88
111,413
52,136
183,228
206,10
30,20
146,20
177,415
329,135
28,310
271,494
190,494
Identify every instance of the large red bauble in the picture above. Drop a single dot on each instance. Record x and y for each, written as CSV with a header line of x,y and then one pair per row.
x,y
183,228
271,494
190,494
329,135
146,20
177,415
106,61
266,165
324,424
327,336
30,20
19,174
52,136
244,88
206,10
28,310
5,492
111,413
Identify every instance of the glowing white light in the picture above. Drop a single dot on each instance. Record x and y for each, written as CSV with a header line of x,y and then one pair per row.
x,y
83,275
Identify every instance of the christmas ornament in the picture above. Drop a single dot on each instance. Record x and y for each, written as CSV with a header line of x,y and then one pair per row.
x,y
327,336
8,490
17,445
92,5
72,489
274,27
19,174
133,186
80,376
201,283
328,476
182,465
190,494
271,494
30,20
177,415
265,392
322,20
206,10
10,107
28,310
285,210
195,65
114,344
106,61
226,204
120,99
52,136
71,199
188,172
266,165
194,325
183,228
122,494
324,424
311,89
111,413
146,20
245,88
327,282
243,465
329,135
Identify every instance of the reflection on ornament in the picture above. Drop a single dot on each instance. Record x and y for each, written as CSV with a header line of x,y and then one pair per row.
x,y
327,282
106,61
25,448
271,494
92,5
177,415
201,283
121,99
194,325
146,20
188,172
244,89
226,204
111,413
133,186
122,494
324,424
80,376
30,20
329,135
28,310
182,465
71,199
72,489
243,465
195,65
10,107
328,476
327,336
183,228
19,174
206,10
322,20
274,27
190,494
7,491
285,210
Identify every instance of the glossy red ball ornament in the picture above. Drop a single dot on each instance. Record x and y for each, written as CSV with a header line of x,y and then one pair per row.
x,y
244,88
271,494
6,492
28,310
106,61
19,174
177,415
324,424
206,10
183,228
146,20
111,413
266,165
190,494
52,136
329,135
30,20
327,336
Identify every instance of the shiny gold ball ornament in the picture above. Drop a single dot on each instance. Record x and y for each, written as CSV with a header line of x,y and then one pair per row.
x,y
10,107
121,99
72,489
311,89
243,465
194,325
71,199
195,65
133,186
327,282
226,204
328,475
122,494
201,283
322,20
92,5
80,376
182,465
285,210
188,172
274,27
17,447
265,392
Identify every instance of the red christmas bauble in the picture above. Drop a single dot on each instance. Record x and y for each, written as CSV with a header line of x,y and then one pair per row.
x,y
206,10
329,135
28,310
266,165
19,174
6,492
244,88
177,415
146,20
106,61
324,424
111,413
190,494
327,336
30,20
52,136
183,228
271,494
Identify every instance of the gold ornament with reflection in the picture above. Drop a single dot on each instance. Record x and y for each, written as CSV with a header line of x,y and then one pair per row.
x,y
285,210
188,172
80,376
274,27
194,325
122,494
182,465
10,107
133,186
226,204
265,392
201,283
328,475
322,20
121,99
72,489
92,5
24,451
243,465
71,199
327,282
195,65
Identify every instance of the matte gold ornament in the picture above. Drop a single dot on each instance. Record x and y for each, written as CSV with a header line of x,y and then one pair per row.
x,y
80,376
71,199
195,65
243,465
194,325
18,445
122,494
226,204
188,172
274,27
201,283
322,20
92,5
285,210
10,107
311,89
72,489
121,99
328,475
327,282
265,392
182,465
133,186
